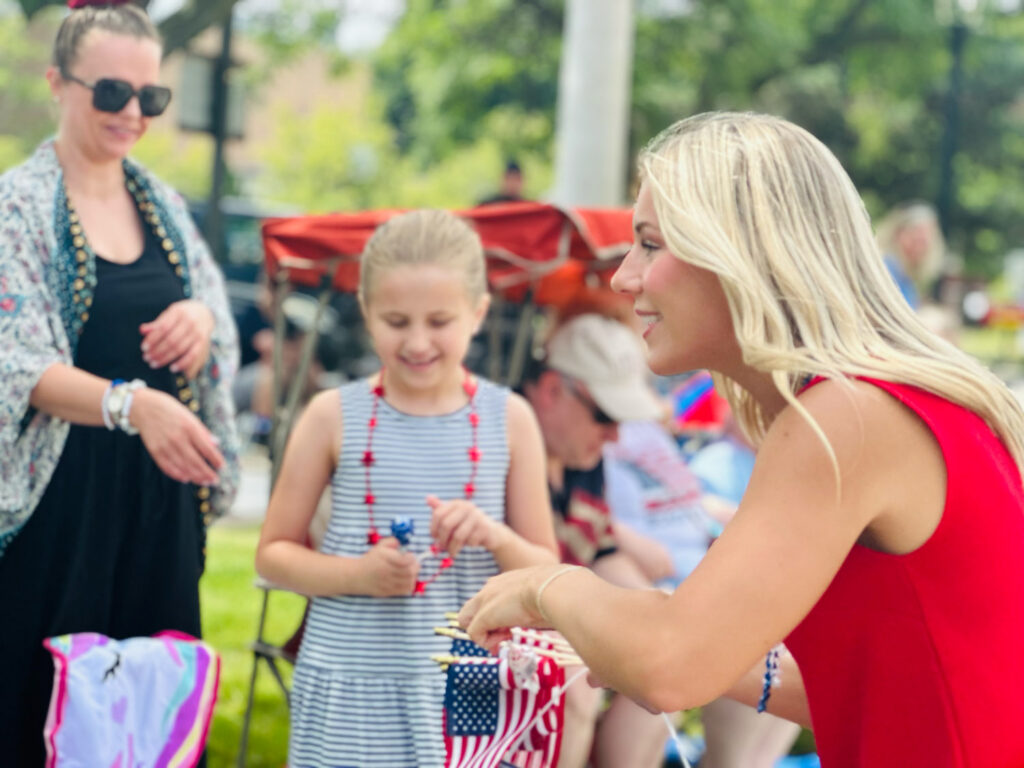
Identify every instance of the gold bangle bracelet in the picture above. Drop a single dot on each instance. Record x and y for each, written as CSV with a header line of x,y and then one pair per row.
x,y
547,581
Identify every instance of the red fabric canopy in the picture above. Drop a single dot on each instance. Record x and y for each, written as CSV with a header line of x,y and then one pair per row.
x,y
551,248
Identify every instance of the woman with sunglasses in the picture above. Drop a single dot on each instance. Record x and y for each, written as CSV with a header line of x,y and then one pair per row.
x,y
117,443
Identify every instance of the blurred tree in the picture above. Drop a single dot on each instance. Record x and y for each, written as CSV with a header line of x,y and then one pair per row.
x,y
177,29
449,65
343,157
182,160
868,77
25,115
288,29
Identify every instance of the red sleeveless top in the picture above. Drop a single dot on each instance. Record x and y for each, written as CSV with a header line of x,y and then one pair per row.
x,y
918,659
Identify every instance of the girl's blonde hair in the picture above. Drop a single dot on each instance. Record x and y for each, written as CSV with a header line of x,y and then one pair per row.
x,y
765,206
426,236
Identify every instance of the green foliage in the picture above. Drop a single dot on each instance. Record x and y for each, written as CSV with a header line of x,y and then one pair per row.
x,y
343,157
25,114
448,64
32,7
290,31
462,85
330,159
868,77
183,161
231,609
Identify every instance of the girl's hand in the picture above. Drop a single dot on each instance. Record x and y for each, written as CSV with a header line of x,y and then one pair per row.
x,y
460,523
387,571
181,446
506,600
180,336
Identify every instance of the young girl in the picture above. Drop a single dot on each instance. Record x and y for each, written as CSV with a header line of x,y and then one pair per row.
x,y
421,439
882,532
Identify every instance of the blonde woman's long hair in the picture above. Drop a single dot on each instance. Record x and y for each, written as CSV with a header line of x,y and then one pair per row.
x,y
769,209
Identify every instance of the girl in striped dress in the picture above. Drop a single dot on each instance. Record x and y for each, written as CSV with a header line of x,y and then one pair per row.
x,y
422,440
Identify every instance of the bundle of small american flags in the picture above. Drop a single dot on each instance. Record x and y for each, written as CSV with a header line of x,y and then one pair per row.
x,y
505,711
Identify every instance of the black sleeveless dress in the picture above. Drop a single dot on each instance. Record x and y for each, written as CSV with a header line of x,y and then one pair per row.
x,y
115,546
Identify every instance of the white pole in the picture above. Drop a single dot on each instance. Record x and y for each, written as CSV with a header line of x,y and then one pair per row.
x,y
592,130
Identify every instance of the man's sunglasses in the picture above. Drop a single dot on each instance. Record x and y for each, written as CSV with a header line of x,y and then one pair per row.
x,y
599,416
112,95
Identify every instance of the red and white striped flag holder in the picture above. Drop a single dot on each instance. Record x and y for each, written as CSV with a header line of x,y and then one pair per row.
x,y
507,711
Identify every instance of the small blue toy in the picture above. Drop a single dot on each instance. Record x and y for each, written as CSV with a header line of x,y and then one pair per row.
x,y
401,529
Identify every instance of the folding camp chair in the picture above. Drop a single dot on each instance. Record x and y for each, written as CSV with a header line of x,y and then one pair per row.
x,y
268,653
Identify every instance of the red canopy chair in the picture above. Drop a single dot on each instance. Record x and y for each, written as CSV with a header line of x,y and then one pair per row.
x,y
537,254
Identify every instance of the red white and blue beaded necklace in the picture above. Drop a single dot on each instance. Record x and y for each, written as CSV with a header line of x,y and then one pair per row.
x,y
469,386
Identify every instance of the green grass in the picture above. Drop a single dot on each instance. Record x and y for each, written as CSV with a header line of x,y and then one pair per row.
x,y
231,607
991,344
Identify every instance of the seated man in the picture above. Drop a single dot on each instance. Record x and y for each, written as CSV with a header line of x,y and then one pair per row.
x,y
591,378
662,522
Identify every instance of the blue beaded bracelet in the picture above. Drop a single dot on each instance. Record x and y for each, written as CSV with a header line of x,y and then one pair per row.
x,y
771,677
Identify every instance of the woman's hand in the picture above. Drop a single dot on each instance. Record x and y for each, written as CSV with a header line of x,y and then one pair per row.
x,y
506,600
181,446
387,571
180,336
460,523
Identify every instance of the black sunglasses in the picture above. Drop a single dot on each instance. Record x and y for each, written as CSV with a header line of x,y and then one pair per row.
x,y
599,416
112,95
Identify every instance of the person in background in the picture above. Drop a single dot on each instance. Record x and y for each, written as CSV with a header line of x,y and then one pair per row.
x,y
117,441
882,530
511,186
913,248
590,378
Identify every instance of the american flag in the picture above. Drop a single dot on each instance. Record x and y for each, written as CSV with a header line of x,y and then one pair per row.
x,y
489,709
539,747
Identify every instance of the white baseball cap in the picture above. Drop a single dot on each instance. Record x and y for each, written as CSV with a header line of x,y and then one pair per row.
x,y
608,358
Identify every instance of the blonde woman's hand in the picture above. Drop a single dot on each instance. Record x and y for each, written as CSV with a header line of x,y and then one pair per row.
x,y
506,600
387,570
181,446
459,523
179,337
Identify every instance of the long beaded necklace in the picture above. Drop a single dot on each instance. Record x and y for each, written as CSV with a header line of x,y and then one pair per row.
x,y
469,386
84,282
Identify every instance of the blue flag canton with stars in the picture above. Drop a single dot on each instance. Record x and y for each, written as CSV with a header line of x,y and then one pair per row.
x,y
467,648
472,696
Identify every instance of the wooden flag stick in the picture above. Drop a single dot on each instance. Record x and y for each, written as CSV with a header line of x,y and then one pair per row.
x,y
452,632
562,657
555,640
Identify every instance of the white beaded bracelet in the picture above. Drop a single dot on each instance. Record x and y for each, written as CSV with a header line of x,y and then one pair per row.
x,y
547,581
125,422
117,404
105,404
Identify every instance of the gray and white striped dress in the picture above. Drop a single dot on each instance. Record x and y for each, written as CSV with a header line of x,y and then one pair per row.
x,y
365,692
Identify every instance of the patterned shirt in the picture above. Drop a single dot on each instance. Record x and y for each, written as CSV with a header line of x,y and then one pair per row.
x,y
583,523
38,327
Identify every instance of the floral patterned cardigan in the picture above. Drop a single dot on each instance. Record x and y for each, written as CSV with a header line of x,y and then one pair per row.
x,y
39,327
